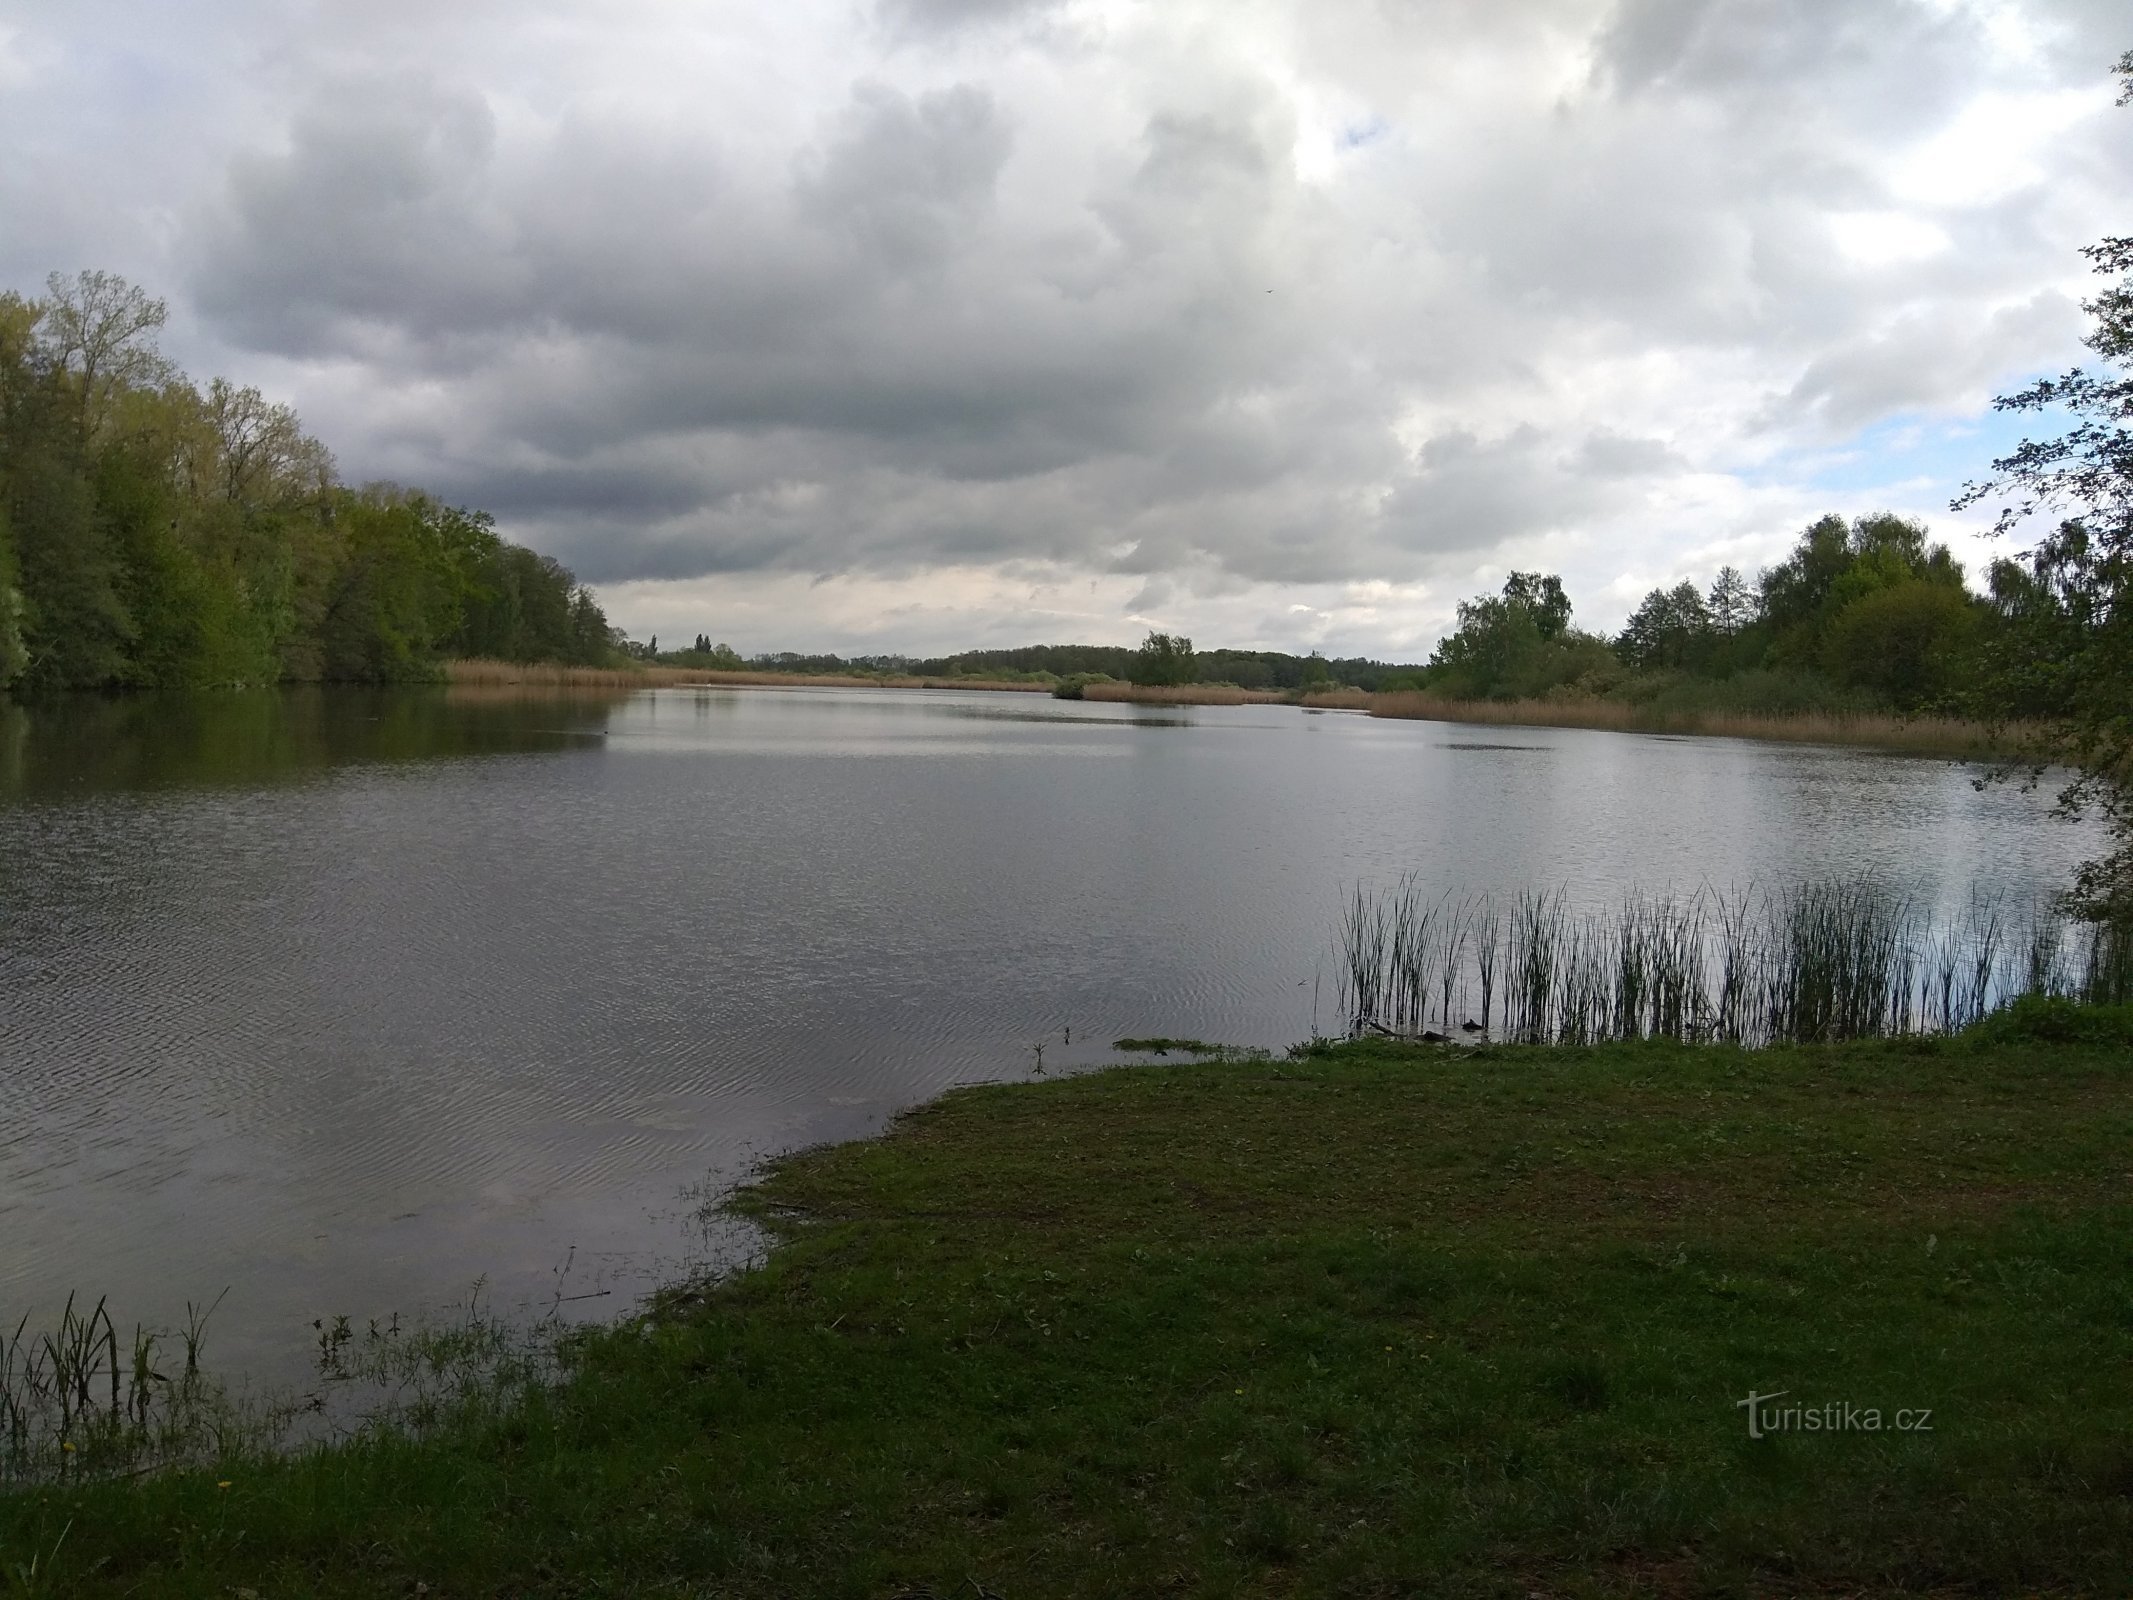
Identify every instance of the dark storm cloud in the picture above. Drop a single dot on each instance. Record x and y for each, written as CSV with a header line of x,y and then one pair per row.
x,y
1199,301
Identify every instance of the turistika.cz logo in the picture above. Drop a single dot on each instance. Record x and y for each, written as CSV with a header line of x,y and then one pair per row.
x,y
1766,1417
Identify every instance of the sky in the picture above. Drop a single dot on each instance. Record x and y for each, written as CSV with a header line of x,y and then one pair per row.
x,y
906,326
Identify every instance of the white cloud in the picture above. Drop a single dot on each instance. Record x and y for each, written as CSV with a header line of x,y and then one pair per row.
x,y
1887,238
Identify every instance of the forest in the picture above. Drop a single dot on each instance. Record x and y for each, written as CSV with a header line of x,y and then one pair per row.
x,y
155,534
1865,614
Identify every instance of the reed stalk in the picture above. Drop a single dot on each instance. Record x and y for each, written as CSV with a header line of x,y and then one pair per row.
x,y
1812,963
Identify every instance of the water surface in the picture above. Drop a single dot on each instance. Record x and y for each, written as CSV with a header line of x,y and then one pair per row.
x,y
346,1000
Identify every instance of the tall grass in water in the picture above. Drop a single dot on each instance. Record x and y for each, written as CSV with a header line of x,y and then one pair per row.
x,y
1817,962
80,1401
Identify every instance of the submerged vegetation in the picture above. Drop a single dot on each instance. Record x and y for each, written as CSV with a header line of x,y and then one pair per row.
x,y
1372,1319
80,1403
1810,963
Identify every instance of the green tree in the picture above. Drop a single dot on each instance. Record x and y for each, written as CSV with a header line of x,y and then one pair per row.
x,y
1515,644
1163,660
13,656
99,335
1733,604
2063,609
1672,628
152,535
1543,599
1906,643
1836,564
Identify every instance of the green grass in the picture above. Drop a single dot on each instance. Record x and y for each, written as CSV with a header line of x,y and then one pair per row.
x,y
1379,1320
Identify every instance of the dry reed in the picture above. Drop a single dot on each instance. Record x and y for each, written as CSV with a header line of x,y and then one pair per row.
x,y
1185,694
550,676
1945,736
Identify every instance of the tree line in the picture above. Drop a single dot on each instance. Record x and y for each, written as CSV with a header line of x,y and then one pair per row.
x,y
1160,659
157,534
1862,614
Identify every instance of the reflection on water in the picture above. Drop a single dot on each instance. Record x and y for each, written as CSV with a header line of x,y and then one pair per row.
x,y
345,999
88,743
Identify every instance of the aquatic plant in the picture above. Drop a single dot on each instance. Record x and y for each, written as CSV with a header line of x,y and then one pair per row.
x,y
1812,962
79,1401
75,1400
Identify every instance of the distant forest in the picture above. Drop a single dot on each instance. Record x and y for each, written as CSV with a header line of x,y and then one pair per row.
x,y
1869,614
1247,669
154,534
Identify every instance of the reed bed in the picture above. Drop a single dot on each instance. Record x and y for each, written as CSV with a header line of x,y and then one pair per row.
x,y
1186,694
1945,736
549,675
780,680
476,673
1815,963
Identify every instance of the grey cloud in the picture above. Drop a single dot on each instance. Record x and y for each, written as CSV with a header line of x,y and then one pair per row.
x,y
1605,454
909,180
1832,56
921,17
378,207
1924,357
1470,494
1016,285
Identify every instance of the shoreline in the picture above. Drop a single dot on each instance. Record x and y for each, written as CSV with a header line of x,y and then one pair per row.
x,y
1929,736
1873,730
543,675
1434,1313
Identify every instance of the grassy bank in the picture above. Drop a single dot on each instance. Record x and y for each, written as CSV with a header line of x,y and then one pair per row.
x,y
1923,735
547,675
1378,1320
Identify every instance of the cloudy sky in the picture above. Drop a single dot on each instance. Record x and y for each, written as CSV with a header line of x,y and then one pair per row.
x,y
923,324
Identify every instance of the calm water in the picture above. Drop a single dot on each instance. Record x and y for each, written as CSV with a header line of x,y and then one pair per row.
x,y
345,1001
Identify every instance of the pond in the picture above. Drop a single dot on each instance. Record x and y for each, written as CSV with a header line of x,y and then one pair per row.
x,y
347,1000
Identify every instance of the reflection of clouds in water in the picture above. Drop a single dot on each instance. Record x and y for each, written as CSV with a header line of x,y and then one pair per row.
x,y
350,1042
